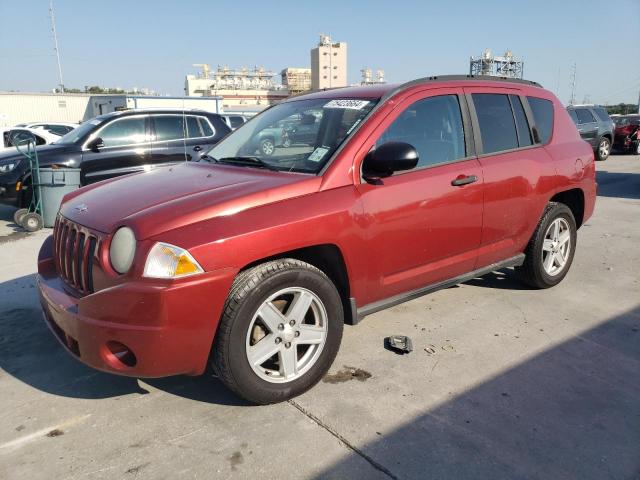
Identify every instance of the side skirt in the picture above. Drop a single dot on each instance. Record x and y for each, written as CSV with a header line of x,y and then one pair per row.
x,y
405,297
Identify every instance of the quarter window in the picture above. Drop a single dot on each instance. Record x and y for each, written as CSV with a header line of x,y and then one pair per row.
x,y
236,121
524,133
497,126
543,117
584,116
433,126
127,131
602,114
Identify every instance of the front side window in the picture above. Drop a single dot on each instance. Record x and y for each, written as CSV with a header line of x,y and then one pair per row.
x,y
543,117
433,126
497,126
584,116
128,131
298,136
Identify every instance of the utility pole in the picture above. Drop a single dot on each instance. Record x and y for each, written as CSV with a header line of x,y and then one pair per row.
x,y
572,100
55,43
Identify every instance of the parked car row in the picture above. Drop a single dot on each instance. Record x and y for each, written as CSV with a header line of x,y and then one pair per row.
x,y
116,144
627,135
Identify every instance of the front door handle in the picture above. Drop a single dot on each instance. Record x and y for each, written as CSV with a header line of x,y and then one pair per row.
x,y
197,148
464,180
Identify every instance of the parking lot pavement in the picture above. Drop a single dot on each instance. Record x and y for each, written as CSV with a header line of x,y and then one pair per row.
x,y
503,382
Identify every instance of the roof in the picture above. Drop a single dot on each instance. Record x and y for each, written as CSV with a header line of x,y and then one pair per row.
x,y
388,89
132,111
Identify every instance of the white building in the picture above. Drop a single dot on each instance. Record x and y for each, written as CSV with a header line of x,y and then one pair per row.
x,y
329,64
18,107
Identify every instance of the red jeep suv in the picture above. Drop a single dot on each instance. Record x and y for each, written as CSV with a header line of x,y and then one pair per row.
x,y
252,263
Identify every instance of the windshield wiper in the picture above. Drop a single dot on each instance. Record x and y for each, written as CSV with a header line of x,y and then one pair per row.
x,y
248,161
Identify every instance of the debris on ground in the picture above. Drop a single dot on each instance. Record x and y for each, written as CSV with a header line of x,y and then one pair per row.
x,y
399,344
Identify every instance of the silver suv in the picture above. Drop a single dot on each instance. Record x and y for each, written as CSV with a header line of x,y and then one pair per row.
x,y
595,126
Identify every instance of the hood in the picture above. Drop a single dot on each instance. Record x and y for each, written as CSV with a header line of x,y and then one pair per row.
x,y
170,197
47,154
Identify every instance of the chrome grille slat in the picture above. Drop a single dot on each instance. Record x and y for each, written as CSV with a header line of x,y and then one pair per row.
x,y
74,250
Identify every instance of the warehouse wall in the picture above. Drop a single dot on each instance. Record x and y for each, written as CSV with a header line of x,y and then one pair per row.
x,y
28,107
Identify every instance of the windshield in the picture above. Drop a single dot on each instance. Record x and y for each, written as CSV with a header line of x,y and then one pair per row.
x,y
298,136
85,128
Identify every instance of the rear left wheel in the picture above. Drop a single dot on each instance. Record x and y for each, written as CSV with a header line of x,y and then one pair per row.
x,y
280,331
549,254
604,149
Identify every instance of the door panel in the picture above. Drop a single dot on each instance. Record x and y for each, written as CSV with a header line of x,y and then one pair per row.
x,y
178,138
421,227
126,149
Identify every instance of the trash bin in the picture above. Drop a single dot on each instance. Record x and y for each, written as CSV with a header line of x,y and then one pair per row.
x,y
55,183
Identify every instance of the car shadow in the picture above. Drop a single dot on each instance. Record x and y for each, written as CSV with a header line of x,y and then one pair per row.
x,y
31,353
618,184
570,411
501,279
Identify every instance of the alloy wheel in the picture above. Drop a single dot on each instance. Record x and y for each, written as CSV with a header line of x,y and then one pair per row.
x,y
556,247
286,335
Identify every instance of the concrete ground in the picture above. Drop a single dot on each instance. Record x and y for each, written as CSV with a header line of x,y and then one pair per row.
x,y
504,382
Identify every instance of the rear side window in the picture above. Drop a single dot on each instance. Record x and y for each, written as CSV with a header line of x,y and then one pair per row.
x,y
169,127
584,116
206,128
543,117
193,128
602,114
497,125
524,133
433,126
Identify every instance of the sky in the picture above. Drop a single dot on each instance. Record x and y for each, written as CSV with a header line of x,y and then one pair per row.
x,y
153,44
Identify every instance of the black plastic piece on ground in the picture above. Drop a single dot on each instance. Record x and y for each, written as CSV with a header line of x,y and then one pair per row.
x,y
399,344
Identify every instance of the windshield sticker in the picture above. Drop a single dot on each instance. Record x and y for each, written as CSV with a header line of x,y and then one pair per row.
x,y
347,104
318,154
354,126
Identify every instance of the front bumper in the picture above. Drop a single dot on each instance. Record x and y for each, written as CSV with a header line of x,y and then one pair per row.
x,y
169,327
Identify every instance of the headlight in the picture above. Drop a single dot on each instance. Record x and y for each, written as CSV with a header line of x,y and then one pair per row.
x,y
168,261
7,167
122,250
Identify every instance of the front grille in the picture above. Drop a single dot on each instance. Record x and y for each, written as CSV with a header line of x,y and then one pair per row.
x,y
74,252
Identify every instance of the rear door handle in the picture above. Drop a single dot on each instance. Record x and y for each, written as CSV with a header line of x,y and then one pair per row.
x,y
197,148
464,180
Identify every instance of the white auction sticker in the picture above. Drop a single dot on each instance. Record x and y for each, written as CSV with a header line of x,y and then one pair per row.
x,y
318,154
350,104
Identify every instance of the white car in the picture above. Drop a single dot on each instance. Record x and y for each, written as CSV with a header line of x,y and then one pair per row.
x,y
57,128
42,136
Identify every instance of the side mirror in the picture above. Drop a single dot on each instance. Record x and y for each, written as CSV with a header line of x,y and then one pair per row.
x,y
96,144
388,158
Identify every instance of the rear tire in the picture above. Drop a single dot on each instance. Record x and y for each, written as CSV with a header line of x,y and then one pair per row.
x,y
549,254
604,149
19,214
300,344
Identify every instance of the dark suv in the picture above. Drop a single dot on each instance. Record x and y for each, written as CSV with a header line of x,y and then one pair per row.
x,y
116,144
595,126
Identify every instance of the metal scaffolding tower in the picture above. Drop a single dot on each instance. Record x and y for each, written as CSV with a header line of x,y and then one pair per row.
x,y
504,66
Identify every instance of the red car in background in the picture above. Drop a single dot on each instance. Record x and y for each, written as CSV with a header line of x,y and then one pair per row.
x,y
627,133
251,262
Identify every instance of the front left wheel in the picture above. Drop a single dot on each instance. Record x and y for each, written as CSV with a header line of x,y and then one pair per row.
x,y
280,331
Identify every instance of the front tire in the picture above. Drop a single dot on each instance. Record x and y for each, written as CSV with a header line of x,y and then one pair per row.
x,y
280,331
549,254
604,149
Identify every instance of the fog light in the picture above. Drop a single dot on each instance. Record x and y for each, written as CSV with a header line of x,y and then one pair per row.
x,y
119,354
